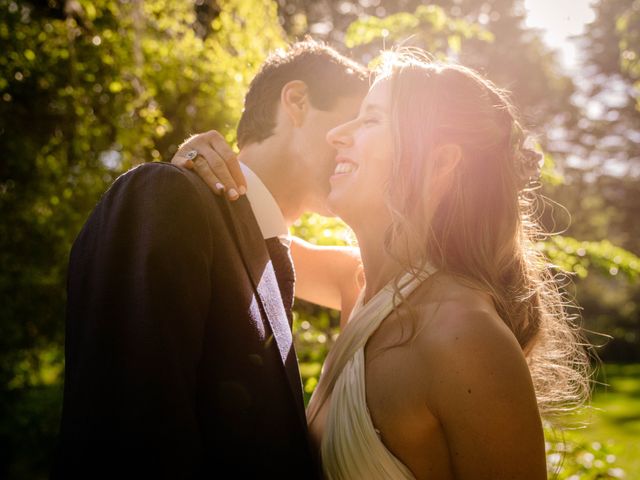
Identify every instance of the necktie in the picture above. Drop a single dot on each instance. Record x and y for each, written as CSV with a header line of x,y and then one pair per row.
x,y
285,274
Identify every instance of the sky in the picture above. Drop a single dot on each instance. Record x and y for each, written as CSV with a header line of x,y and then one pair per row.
x,y
560,19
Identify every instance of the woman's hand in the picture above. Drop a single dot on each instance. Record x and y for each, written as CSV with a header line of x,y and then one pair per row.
x,y
211,157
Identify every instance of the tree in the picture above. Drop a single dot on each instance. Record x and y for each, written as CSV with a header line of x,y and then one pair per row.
x,y
89,89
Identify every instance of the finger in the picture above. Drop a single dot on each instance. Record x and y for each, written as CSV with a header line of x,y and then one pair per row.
x,y
204,171
184,145
181,161
220,145
221,170
233,166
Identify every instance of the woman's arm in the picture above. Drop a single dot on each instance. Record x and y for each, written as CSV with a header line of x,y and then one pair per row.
x,y
328,276
483,395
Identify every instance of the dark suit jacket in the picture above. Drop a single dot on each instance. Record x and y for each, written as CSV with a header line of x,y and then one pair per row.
x,y
179,357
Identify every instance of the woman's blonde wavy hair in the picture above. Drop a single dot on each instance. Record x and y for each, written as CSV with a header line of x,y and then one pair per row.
x,y
480,225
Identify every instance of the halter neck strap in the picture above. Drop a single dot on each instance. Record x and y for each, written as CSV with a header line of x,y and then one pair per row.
x,y
363,321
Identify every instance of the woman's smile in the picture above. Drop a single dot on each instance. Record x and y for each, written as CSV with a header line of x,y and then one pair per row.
x,y
364,156
344,166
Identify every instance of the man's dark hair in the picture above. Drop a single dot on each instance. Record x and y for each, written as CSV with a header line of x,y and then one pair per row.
x,y
327,74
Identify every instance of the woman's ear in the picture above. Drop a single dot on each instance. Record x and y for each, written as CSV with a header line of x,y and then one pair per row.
x,y
294,99
439,181
446,157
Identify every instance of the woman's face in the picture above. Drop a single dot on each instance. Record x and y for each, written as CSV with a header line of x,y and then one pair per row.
x,y
364,158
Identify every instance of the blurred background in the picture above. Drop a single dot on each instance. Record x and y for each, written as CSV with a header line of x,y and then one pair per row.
x,y
89,89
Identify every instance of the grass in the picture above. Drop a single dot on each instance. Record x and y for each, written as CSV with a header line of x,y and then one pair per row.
x,y
613,420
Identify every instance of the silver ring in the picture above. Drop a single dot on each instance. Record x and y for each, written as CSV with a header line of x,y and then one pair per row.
x,y
191,154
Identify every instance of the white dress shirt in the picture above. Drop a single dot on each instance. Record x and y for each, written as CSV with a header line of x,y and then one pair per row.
x,y
265,208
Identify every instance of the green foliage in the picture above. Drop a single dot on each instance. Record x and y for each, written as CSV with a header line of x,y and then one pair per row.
x,y
429,26
321,230
581,460
88,89
86,95
316,328
549,174
581,257
606,444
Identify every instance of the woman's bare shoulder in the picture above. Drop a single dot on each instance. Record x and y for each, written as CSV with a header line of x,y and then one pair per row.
x,y
472,376
471,360
460,323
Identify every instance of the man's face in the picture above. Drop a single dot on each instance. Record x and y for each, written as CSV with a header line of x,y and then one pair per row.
x,y
316,158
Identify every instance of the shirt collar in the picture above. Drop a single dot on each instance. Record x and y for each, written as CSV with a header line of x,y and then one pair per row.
x,y
264,206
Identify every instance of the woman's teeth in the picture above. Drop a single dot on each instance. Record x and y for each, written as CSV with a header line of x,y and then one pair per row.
x,y
345,167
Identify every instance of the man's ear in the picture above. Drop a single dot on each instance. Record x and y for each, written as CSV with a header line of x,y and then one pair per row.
x,y
294,99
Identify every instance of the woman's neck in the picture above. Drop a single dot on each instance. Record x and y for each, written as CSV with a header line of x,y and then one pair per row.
x,y
379,267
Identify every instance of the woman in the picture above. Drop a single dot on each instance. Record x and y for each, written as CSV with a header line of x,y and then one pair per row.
x,y
459,340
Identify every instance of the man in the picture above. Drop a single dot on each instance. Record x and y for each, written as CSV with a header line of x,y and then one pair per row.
x,y
179,354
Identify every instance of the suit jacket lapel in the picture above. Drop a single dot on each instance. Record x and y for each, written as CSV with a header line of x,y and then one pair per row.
x,y
258,264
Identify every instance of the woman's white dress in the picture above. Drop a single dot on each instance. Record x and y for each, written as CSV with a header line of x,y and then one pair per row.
x,y
351,448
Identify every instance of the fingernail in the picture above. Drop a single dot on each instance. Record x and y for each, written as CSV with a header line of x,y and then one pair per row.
x,y
233,194
219,187
242,189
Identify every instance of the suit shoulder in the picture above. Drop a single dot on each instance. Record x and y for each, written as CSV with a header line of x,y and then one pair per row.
x,y
165,182
156,171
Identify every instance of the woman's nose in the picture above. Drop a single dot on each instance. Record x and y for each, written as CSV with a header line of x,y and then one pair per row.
x,y
339,136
